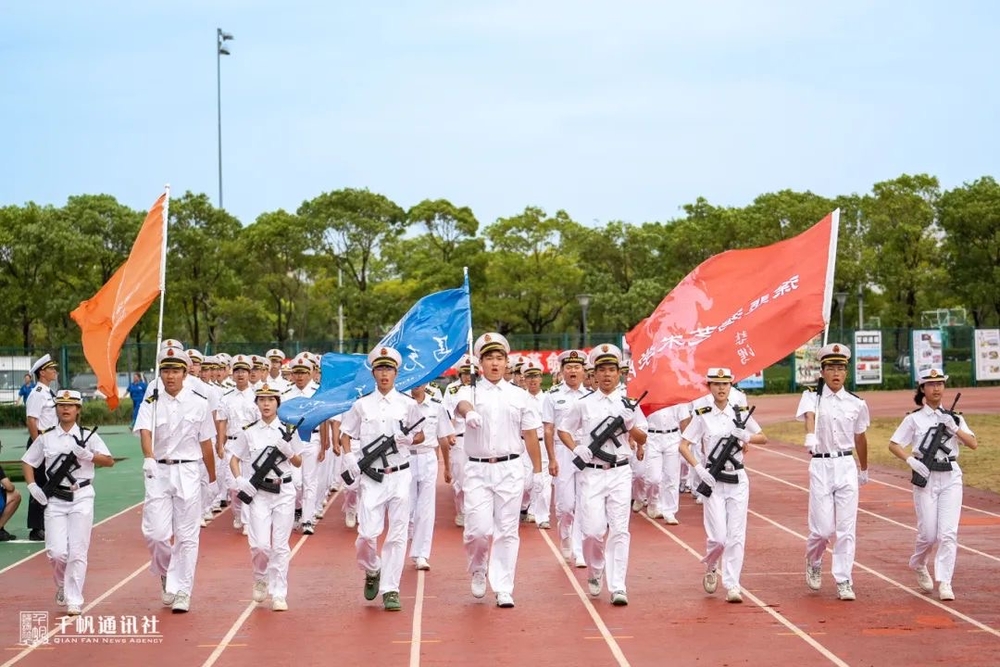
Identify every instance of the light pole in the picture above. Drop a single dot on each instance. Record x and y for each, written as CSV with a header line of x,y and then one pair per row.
x,y
584,300
221,49
861,307
841,298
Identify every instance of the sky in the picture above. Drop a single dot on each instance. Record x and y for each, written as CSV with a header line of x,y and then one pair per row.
x,y
622,110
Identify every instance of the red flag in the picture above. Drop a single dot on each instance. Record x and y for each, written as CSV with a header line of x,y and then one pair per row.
x,y
109,316
742,309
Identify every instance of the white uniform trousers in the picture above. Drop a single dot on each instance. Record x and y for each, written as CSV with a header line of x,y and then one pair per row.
x,y
310,481
567,492
206,493
423,500
222,476
240,511
492,513
833,513
663,474
325,477
541,497
271,516
939,507
725,516
172,511
640,483
529,501
698,451
457,462
390,496
605,503
67,539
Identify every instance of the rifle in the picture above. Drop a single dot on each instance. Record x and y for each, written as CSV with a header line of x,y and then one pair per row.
x,y
724,452
379,449
934,442
62,469
608,431
264,466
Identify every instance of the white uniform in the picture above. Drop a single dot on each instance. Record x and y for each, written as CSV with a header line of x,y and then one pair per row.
x,y
939,504
237,408
725,511
270,515
307,477
539,491
172,508
663,460
605,488
567,481
68,522
456,454
424,474
833,477
370,418
705,403
494,478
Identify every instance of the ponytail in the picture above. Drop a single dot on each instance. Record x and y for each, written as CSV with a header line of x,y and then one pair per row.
x,y
918,398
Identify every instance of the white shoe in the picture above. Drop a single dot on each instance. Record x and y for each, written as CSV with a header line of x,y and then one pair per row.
x,y
74,610
167,598
505,600
567,548
924,579
619,599
422,564
636,505
351,519
698,500
710,581
460,520
944,592
61,596
246,531
654,513
670,519
204,522
580,562
531,518
182,602
279,604
259,590
845,591
207,516
814,576
478,584
594,585
308,528
544,525
237,524
734,595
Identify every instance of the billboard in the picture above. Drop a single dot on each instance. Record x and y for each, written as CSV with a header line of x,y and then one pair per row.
x,y
986,352
927,351
807,362
867,357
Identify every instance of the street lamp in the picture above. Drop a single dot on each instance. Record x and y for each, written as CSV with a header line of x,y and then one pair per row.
x,y
841,298
861,307
221,37
584,300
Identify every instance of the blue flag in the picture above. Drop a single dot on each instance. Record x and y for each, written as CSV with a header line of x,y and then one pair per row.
x,y
430,338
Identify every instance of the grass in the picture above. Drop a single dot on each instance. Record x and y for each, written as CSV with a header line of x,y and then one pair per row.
x,y
980,468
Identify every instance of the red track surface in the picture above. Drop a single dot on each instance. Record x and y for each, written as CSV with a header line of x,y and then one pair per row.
x,y
670,620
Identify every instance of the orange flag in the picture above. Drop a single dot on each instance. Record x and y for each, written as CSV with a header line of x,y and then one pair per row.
x,y
109,316
742,309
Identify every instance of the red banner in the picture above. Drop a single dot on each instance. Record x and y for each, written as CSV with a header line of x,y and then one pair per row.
x,y
742,309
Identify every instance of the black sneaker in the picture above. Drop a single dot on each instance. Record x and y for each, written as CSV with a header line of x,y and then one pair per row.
x,y
37,535
372,580
5,536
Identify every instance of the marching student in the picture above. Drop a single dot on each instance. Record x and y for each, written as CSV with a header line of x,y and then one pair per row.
x,y
306,480
701,405
938,504
272,508
456,453
437,430
384,413
275,359
69,512
501,424
725,510
40,408
237,408
605,486
663,462
836,422
539,493
184,436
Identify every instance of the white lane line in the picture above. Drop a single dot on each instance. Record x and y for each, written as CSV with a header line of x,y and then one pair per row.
x,y
418,610
920,596
616,650
796,630
908,491
870,513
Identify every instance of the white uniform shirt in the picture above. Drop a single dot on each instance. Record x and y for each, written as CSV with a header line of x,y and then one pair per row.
x,y
842,415
375,415
540,399
451,402
183,422
587,414
736,397
917,424
41,405
238,408
558,404
257,437
707,428
506,410
49,446
667,420
436,424
279,383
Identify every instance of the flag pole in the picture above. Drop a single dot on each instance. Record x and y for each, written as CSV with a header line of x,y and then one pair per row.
x,y
831,265
163,267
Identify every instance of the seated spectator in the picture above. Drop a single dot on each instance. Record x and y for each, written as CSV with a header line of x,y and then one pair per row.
x,y
9,501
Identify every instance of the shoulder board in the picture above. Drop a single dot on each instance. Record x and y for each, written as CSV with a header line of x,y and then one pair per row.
x,y
250,424
229,392
701,411
589,393
288,390
740,408
855,395
435,400
912,411
39,388
199,395
44,431
811,390
453,389
152,398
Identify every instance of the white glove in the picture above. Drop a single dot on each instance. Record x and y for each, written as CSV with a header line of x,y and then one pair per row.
x,y
473,419
704,475
232,485
402,439
213,488
862,477
351,464
948,422
812,442
918,466
583,453
742,434
244,485
83,454
538,481
285,448
37,493
149,467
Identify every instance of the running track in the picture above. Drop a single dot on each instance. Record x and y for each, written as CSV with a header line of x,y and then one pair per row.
x,y
670,620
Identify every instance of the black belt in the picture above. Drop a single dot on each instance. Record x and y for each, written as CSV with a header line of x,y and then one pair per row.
x,y
459,435
608,466
287,479
171,462
494,459
386,471
653,430
230,437
941,465
834,455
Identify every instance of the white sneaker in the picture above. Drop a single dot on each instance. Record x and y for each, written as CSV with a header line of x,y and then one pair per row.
x,y
698,500
594,585
351,519
246,530
182,602
710,581
580,562
207,516
165,597
654,513
845,591
544,525
636,505
814,576
619,599
308,528
61,596
460,520
74,610
204,522
259,590
670,519
505,600
279,604
531,518
478,584
237,524
734,595
944,592
566,546
422,564
924,579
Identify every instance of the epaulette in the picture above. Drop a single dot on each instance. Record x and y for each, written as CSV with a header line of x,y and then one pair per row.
x,y
855,395
152,397
453,389
701,411
44,431
587,394
435,400
199,395
288,390
229,392
740,408
250,424
912,411
39,388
